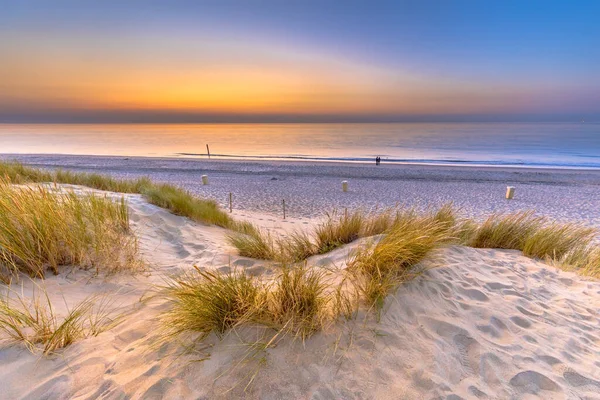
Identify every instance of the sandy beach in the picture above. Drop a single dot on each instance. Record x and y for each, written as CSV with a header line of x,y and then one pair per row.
x,y
280,200
483,323
312,189
480,323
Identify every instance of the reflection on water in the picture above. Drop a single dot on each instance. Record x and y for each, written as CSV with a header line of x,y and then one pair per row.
x,y
576,144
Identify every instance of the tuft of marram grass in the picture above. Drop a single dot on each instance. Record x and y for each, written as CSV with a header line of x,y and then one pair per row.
x,y
206,302
41,229
555,241
569,246
175,199
34,323
181,202
590,265
381,267
299,300
338,230
295,247
254,243
508,231
202,302
376,223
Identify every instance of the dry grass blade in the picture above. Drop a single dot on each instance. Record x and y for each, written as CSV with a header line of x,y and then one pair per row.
x,y
381,267
509,231
254,243
41,229
34,321
206,302
299,300
556,240
176,200
337,231
295,247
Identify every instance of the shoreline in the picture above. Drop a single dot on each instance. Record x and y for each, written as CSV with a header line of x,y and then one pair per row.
x,y
467,165
311,190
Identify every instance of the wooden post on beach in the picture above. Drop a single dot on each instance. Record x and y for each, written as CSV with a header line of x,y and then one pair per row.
x,y
510,192
344,186
207,151
283,202
230,203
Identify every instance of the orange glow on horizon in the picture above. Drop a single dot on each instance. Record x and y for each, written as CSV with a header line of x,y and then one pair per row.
x,y
230,79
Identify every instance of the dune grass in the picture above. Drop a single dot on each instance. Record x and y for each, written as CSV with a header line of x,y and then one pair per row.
x,y
42,230
567,245
338,230
302,300
508,231
555,240
381,267
296,302
36,324
255,243
181,202
296,247
299,300
589,264
176,200
205,302
376,223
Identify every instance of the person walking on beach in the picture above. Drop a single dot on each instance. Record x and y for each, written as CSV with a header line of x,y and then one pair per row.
x,y
377,160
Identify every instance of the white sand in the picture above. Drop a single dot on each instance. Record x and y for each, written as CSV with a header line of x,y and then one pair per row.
x,y
484,324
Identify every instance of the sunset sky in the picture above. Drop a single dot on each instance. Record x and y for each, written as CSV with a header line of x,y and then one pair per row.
x,y
196,61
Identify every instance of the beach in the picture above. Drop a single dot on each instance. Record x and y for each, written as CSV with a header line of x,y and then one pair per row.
x,y
312,189
478,323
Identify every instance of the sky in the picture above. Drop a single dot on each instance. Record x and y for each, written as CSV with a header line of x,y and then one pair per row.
x,y
299,61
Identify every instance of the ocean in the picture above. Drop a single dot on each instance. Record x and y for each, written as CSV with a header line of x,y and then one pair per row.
x,y
505,144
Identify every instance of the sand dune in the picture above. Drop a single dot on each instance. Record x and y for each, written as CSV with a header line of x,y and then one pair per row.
x,y
482,324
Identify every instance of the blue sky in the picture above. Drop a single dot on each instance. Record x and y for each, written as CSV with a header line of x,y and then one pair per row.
x,y
299,60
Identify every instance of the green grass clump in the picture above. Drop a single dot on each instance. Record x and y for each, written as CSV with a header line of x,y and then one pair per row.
x,y
555,241
569,246
206,302
295,247
254,243
176,200
35,323
509,231
338,231
590,265
381,267
41,229
299,301
181,202
377,223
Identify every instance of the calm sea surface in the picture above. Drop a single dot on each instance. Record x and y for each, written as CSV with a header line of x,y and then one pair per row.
x,y
546,144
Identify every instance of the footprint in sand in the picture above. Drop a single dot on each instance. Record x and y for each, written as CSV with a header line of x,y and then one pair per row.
x,y
533,382
521,322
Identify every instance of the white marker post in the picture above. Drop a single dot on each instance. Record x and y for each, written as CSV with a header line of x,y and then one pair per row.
x,y
344,186
205,179
510,192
